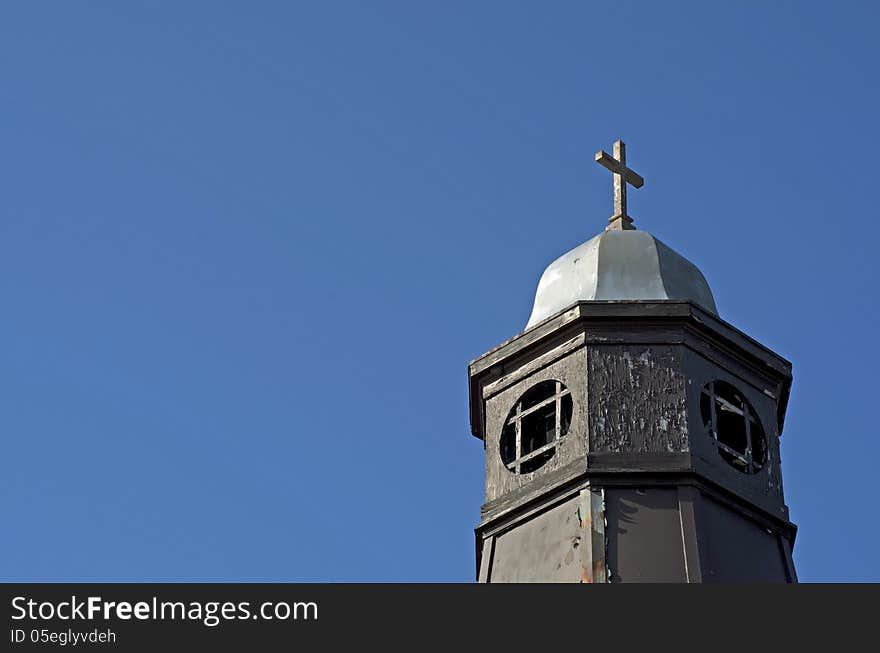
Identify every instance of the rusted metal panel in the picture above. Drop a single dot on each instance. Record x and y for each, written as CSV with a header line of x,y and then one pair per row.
x,y
737,549
545,549
637,399
688,498
662,523
592,514
644,536
483,575
785,548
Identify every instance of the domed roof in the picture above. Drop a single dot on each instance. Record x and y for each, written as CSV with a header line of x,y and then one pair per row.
x,y
619,264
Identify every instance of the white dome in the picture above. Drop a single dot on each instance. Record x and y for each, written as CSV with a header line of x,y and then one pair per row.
x,y
624,265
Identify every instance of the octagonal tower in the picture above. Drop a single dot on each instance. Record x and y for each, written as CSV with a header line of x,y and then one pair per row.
x,y
631,435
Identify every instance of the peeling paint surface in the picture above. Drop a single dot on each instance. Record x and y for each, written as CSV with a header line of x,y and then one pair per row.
x,y
637,399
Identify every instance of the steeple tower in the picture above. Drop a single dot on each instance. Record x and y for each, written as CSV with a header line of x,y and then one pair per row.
x,y
631,434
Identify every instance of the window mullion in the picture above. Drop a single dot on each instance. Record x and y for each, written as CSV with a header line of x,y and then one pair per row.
x,y
558,426
749,457
542,404
743,440
714,421
518,452
530,433
537,452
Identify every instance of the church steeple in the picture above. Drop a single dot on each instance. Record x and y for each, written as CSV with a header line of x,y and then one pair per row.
x,y
630,433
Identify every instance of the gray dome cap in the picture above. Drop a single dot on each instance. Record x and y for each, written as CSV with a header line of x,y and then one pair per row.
x,y
626,265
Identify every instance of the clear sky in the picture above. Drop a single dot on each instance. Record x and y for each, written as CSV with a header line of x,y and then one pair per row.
x,y
248,248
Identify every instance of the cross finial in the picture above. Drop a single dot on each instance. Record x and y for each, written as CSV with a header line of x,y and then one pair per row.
x,y
622,176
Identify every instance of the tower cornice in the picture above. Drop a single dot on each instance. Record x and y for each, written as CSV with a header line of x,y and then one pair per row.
x,y
631,322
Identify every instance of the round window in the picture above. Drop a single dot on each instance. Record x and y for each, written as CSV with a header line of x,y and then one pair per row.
x,y
735,427
535,425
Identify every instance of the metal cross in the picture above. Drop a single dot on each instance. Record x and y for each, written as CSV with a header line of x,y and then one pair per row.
x,y
622,177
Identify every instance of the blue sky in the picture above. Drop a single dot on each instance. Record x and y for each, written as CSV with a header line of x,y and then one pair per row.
x,y
247,250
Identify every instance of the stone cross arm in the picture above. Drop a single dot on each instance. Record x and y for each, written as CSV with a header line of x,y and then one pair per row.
x,y
632,177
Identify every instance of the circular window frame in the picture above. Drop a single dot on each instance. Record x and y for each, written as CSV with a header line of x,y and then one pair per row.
x,y
734,426
525,443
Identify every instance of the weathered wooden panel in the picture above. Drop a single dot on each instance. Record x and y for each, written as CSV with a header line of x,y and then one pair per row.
x,y
644,539
541,486
548,548
636,399
539,362
570,370
764,488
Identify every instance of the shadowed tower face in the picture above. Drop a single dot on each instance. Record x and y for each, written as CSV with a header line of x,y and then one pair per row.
x,y
630,434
